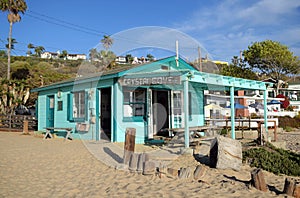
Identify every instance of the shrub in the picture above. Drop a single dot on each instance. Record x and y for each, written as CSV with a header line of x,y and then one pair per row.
x,y
287,121
288,129
275,160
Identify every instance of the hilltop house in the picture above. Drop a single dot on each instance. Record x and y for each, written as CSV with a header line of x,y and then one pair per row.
x,y
56,55
151,97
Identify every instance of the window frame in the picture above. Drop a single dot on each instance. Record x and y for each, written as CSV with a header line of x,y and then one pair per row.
x,y
134,100
82,105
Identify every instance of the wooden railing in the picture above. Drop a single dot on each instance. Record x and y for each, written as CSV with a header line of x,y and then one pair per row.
x,y
16,122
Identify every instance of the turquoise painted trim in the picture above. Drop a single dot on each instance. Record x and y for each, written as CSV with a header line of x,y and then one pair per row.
x,y
227,81
97,115
170,61
133,119
37,108
115,111
266,112
70,107
232,112
75,82
186,113
50,112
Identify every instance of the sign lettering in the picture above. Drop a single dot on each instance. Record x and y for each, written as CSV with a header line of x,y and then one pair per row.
x,y
144,81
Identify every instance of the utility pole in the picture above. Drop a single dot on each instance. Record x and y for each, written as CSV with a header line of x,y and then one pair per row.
x,y
200,59
177,53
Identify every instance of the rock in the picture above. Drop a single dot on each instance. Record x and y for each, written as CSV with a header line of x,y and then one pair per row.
x,y
199,172
184,173
149,168
226,153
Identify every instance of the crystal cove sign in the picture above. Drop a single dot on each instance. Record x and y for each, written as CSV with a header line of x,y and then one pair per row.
x,y
144,81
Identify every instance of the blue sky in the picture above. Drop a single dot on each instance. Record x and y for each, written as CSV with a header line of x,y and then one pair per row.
x,y
222,28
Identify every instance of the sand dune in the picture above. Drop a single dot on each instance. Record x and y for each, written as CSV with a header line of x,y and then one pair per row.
x,y
33,167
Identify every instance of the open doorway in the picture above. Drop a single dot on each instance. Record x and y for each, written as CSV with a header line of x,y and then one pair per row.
x,y
105,113
160,111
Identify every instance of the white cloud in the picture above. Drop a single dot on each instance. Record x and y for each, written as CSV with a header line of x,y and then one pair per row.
x,y
269,11
231,25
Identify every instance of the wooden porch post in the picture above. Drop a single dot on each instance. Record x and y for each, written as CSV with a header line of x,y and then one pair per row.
x,y
266,113
232,112
186,113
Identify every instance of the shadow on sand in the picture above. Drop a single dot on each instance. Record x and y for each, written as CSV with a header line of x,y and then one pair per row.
x,y
113,155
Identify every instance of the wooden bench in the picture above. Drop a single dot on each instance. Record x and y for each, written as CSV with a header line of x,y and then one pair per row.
x,y
49,129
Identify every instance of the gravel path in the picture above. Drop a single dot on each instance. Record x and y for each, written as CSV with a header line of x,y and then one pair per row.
x,y
292,140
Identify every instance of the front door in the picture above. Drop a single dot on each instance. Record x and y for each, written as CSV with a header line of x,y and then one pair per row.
x,y
105,113
160,110
50,111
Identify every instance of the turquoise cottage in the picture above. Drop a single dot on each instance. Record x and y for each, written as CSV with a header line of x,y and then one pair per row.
x,y
168,93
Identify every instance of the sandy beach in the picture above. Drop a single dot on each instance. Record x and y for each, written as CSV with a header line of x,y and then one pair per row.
x,y
33,167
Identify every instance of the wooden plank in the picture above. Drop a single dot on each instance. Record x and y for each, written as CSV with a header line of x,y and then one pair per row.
x,y
129,144
258,180
292,187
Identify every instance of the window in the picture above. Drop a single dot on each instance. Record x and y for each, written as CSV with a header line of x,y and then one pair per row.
x,y
134,102
178,108
59,105
178,103
77,106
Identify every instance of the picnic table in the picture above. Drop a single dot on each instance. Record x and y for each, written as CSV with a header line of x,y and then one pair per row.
x,y
195,129
52,129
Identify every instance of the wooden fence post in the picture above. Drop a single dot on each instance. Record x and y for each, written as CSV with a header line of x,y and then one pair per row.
x,y
129,144
258,180
292,187
25,127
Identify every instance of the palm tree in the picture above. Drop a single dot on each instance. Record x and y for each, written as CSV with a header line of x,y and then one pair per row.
x,y
13,7
150,57
12,45
107,42
30,46
38,50
93,54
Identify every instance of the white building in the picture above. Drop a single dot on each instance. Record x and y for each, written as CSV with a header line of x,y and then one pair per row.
x,y
56,55
49,55
76,57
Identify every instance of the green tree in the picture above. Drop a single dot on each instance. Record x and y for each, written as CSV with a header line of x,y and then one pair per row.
x,y
30,46
129,58
93,54
150,57
107,58
12,45
107,42
3,53
272,59
39,50
13,7
64,54
238,69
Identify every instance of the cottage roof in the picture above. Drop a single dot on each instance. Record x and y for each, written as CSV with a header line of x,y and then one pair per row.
x,y
161,67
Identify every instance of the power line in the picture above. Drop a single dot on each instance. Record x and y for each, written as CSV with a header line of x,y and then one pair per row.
x,y
65,26
80,28
66,22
